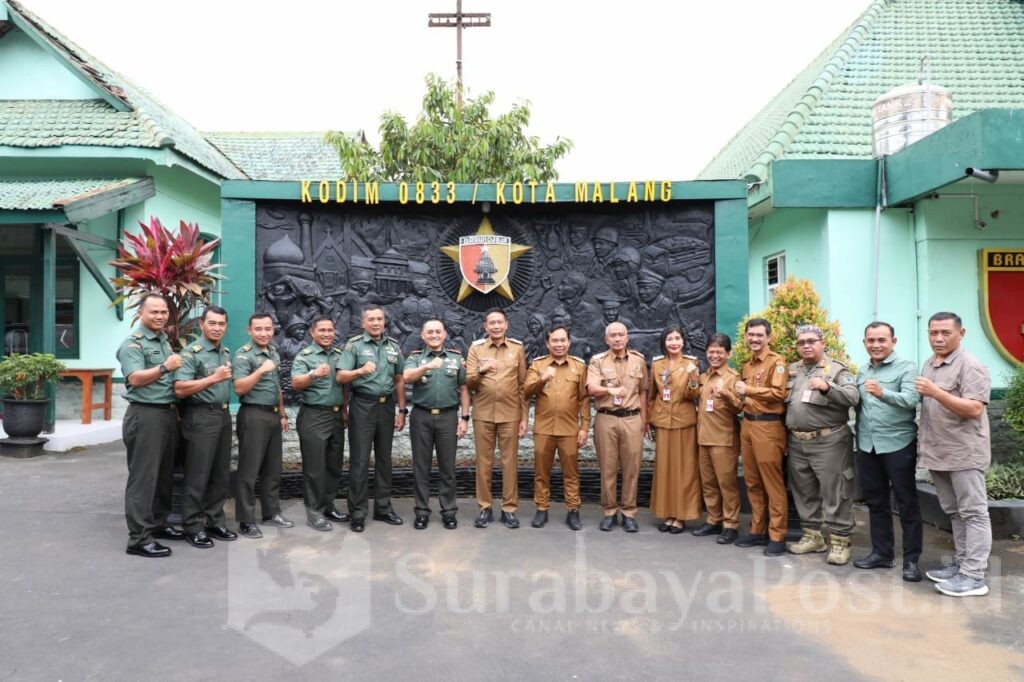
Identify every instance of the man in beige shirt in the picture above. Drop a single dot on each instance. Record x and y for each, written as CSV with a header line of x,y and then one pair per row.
x,y
617,380
495,373
561,422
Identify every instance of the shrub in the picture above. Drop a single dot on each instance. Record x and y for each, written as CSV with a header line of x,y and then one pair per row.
x,y
1005,481
795,303
24,377
1013,414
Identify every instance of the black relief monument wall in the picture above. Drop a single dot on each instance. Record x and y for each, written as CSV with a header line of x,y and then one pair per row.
x,y
581,266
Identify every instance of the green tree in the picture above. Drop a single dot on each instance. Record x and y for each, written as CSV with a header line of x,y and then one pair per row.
x,y
451,143
795,303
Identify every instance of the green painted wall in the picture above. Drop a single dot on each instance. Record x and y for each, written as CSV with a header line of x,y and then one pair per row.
x,y
29,72
800,233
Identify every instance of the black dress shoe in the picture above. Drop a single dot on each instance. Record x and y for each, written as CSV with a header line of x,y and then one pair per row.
x,y
250,530
774,548
335,515
911,572
727,537
572,519
358,525
540,519
752,540
664,527
391,518
510,520
169,533
319,523
279,521
676,530
449,521
629,525
484,518
421,521
221,533
200,540
608,522
708,529
874,561
150,549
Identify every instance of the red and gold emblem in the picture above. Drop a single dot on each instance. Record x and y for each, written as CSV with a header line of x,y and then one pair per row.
x,y
485,261
1002,290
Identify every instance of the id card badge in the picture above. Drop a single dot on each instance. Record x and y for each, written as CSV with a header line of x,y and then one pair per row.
x,y
666,394
806,397
710,405
617,400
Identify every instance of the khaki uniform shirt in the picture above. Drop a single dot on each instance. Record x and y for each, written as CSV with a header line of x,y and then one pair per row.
x,y
324,391
198,361
678,411
438,388
811,409
766,379
563,404
385,353
606,369
716,417
498,394
248,358
946,442
146,348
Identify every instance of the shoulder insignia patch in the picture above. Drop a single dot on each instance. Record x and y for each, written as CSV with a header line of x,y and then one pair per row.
x,y
453,351
349,346
335,349
540,357
196,348
780,368
848,379
578,359
138,335
246,348
135,345
598,356
355,338
636,353
479,342
415,352
657,357
515,341
308,351
691,357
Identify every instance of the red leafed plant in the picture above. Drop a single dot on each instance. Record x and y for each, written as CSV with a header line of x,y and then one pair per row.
x,y
179,266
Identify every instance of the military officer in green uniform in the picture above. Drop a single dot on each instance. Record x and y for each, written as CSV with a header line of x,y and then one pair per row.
x,y
202,383
150,430
820,393
321,423
260,422
372,363
438,378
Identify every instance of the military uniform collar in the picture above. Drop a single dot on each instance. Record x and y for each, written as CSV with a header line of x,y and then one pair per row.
x,y
440,353
616,358
207,344
317,348
369,339
257,350
151,334
554,361
763,355
721,371
490,342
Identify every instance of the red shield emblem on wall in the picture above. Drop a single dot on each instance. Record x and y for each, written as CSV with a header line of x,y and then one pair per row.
x,y
485,260
1002,300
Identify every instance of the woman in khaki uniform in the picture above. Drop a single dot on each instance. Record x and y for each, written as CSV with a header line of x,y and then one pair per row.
x,y
675,492
718,436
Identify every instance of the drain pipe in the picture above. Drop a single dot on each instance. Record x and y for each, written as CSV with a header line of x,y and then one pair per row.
x,y
881,201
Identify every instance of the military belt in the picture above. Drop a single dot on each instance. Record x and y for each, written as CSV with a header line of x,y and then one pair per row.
x,y
372,396
262,408
762,417
157,406
820,433
323,408
435,410
618,413
207,406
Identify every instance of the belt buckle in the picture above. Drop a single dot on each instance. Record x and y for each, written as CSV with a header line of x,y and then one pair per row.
x,y
335,408
223,406
275,408
435,410
382,399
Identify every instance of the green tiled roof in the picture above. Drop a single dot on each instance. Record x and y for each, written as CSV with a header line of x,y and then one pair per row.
x,y
976,49
148,123
42,195
279,156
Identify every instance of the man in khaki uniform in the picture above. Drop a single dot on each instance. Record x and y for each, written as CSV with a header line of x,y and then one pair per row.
x,y
821,393
495,373
617,380
561,422
763,440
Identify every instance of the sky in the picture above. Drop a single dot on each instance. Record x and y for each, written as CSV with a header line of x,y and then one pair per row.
x,y
645,89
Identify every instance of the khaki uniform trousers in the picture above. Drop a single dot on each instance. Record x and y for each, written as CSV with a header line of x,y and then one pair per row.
x,y
821,472
675,492
720,484
544,459
620,444
763,444
506,436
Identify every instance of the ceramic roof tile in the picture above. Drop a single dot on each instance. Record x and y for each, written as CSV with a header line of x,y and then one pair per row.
x,y
976,49
279,156
51,123
41,195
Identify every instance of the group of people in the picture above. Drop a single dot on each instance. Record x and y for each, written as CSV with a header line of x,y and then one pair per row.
x,y
700,423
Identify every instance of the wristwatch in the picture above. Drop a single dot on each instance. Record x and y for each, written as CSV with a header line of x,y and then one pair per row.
x,y
464,417
163,368
404,410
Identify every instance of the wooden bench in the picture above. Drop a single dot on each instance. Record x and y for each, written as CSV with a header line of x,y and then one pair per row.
x,y
86,376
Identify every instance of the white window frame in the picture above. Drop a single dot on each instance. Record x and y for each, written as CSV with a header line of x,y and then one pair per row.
x,y
779,260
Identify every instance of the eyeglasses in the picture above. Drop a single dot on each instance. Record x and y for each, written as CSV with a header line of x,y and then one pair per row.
x,y
807,342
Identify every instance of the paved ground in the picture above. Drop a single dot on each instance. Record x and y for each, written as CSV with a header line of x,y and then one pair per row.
x,y
397,603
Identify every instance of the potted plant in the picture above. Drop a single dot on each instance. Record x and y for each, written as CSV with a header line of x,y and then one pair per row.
x,y
23,381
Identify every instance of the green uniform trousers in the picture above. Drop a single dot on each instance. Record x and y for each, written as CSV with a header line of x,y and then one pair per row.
x,y
150,436
822,477
371,424
259,454
322,440
207,433
426,432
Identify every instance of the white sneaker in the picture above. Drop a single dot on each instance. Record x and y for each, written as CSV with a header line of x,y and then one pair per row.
x,y
943,574
962,586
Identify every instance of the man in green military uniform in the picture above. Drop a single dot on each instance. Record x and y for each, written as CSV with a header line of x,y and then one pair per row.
x,y
372,363
321,424
261,420
202,382
820,393
438,378
150,430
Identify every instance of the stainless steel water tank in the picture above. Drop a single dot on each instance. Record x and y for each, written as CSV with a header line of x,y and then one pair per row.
x,y
908,113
